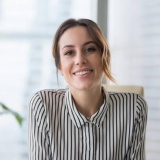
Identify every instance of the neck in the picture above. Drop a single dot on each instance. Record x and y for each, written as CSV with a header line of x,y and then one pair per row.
x,y
88,102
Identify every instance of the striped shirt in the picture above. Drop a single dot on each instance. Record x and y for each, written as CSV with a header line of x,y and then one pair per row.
x,y
58,131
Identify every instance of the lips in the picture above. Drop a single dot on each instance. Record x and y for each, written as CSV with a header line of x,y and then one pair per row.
x,y
82,72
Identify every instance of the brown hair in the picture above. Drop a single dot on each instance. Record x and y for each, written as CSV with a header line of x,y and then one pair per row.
x,y
95,33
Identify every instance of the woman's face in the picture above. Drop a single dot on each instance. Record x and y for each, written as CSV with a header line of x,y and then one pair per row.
x,y
80,59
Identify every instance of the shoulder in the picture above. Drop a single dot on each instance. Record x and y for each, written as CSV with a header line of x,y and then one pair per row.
x,y
123,96
49,93
131,100
126,96
47,96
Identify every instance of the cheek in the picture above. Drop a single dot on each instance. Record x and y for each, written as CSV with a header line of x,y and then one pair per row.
x,y
100,65
65,66
98,61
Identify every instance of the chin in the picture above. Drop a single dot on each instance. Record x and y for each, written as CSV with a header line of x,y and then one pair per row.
x,y
83,87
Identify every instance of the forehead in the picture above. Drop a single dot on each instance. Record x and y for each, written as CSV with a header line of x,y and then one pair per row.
x,y
74,35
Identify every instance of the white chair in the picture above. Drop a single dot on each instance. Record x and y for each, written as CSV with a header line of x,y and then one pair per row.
x,y
123,88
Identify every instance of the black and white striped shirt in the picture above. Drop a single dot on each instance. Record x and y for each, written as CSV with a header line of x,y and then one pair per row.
x,y
57,131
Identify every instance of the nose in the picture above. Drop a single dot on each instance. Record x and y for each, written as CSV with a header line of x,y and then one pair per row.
x,y
80,59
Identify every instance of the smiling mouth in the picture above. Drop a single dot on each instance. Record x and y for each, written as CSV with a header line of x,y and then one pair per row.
x,y
81,73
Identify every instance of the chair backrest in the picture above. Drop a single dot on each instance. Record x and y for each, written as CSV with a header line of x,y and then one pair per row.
x,y
123,88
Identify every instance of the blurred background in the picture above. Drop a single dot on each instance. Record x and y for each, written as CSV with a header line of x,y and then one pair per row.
x,y
27,27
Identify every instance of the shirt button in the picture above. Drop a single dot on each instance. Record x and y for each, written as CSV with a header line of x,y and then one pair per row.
x,y
88,119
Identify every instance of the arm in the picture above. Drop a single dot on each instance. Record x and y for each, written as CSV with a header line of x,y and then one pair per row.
x,y
137,147
38,139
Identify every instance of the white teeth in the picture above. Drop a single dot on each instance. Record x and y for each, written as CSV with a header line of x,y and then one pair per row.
x,y
81,73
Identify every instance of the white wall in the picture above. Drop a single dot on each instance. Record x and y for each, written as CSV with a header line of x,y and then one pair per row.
x,y
134,40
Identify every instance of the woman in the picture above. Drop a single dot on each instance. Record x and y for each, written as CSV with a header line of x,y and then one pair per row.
x,y
85,121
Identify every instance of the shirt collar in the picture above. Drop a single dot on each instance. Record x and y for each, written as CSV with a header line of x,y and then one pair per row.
x,y
79,119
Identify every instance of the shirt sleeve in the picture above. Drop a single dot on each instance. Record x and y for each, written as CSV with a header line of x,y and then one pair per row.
x,y
137,147
38,139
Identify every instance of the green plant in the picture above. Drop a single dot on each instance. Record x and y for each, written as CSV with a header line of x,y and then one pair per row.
x,y
5,110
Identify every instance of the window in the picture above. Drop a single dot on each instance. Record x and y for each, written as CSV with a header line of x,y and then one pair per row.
x,y
133,35
26,65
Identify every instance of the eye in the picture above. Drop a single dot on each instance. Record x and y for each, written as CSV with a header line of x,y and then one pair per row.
x,y
90,49
69,53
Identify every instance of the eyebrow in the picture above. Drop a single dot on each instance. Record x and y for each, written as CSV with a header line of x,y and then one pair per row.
x,y
86,43
89,42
